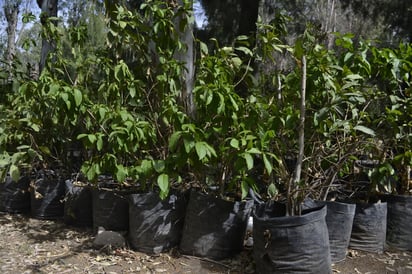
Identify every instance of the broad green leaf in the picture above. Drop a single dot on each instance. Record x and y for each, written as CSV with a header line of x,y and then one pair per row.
x,y
132,91
272,190
102,112
254,150
81,136
116,72
121,173
298,50
77,97
4,163
14,173
365,130
245,189
203,48
122,24
249,160
146,167
54,88
268,164
189,144
159,165
45,150
237,62
245,50
92,138
201,150
174,139
99,143
35,127
234,143
163,182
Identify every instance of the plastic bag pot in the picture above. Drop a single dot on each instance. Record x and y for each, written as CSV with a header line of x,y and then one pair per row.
x,y
214,228
369,227
110,209
156,225
15,196
399,221
78,205
47,195
290,244
339,220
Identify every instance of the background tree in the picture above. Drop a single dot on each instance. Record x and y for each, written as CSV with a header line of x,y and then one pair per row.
x,y
228,19
48,9
11,12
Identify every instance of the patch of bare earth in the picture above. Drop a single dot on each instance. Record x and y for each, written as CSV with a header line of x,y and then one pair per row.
x,y
389,262
30,245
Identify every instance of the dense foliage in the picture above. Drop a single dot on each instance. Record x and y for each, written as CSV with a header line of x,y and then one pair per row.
x,y
116,108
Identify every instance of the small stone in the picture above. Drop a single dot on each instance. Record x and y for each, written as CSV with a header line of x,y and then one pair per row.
x,y
108,238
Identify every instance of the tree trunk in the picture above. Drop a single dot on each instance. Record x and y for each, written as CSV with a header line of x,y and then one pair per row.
x,y
293,194
11,12
187,57
48,9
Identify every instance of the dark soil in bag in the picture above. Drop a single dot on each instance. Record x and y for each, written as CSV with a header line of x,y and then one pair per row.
x,y
47,195
111,209
156,225
399,221
339,219
15,196
290,244
214,228
78,206
369,227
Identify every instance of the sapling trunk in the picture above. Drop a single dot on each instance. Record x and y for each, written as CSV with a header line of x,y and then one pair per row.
x,y
293,191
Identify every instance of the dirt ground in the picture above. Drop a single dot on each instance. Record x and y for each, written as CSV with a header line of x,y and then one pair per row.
x,y
29,245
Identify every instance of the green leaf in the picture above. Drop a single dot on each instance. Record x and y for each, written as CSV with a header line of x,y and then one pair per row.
x,y
54,88
233,101
132,92
237,62
92,138
245,189
234,143
353,77
268,164
122,24
35,127
249,160
163,182
77,97
299,50
203,48
14,173
45,150
254,150
189,144
245,50
365,130
201,150
174,139
81,136
121,173
99,143
272,190
159,165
